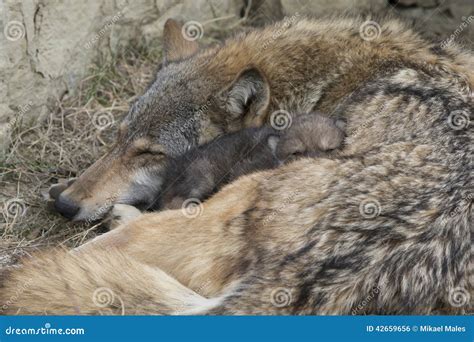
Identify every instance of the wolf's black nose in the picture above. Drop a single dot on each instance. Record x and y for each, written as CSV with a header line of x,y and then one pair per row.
x,y
66,207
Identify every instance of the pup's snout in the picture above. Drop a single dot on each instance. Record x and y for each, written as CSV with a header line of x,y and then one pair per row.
x,y
66,207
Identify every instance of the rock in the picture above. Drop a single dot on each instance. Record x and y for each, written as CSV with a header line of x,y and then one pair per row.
x,y
323,7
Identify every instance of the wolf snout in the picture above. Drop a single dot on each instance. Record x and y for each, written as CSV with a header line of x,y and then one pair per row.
x,y
66,206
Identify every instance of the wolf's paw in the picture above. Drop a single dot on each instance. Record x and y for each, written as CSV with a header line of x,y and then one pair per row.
x,y
120,214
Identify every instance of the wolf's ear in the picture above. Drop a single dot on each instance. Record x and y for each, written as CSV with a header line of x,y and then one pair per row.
x,y
175,46
248,96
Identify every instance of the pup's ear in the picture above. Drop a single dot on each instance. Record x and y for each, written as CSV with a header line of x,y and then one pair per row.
x,y
248,97
175,46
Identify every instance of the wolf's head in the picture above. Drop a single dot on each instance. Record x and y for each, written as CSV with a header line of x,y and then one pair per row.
x,y
196,96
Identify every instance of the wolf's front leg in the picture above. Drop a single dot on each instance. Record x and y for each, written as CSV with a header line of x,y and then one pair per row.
x,y
200,245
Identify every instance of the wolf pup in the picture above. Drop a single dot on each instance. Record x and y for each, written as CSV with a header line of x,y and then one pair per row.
x,y
202,171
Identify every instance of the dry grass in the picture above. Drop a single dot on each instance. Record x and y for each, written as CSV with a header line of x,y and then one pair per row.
x,y
61,147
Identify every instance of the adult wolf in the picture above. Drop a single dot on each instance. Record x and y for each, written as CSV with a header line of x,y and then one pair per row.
x,y
386,228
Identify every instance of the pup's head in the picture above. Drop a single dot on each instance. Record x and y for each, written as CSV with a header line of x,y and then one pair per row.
x,y
310,134
193,99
